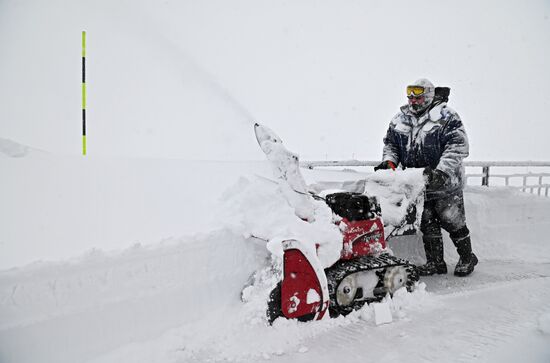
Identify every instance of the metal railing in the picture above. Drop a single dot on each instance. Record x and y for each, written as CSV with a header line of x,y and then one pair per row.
x,y
540,185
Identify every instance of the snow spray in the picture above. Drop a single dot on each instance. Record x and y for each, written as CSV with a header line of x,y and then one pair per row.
x,y
83,92
152,34
208,79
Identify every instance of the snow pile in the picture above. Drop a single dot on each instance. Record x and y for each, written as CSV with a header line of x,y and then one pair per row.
x,y
396,308
258,208
13,149
397,191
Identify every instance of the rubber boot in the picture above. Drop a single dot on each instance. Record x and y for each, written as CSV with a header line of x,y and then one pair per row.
x,y
465,265
468,259
435,264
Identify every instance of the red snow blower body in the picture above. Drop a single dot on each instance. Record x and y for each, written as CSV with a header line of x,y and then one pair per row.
x,y
364,273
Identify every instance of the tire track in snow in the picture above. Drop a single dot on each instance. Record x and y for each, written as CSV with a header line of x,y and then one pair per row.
x,y
508,319
487,273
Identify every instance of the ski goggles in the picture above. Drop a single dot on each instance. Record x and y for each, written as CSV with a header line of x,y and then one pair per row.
x,y
415,91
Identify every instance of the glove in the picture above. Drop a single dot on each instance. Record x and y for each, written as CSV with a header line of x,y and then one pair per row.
x,y
385,165
435,178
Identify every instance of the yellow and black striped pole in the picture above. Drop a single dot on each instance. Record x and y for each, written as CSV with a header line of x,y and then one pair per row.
x,y
83,92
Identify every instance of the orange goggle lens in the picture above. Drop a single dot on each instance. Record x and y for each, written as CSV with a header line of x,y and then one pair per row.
x,y
415,91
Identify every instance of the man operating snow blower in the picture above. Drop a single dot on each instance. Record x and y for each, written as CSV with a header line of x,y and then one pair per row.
x,y
427,134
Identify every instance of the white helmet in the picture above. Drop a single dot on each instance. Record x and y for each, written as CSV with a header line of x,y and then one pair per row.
x,y
421,95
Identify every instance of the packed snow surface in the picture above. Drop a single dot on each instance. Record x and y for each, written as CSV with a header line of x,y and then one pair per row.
x,y
180,257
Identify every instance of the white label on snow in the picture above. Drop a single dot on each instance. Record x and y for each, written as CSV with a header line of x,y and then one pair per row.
x,y
382,314
312,297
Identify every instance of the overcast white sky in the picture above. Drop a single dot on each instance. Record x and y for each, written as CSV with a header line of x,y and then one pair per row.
x,y
183,78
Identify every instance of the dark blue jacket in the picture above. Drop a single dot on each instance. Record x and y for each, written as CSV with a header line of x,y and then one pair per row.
x,y
436,139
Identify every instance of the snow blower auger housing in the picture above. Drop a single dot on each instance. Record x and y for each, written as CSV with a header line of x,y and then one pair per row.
x,y
364,273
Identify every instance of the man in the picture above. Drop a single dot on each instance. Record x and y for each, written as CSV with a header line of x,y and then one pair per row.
x,y
427,134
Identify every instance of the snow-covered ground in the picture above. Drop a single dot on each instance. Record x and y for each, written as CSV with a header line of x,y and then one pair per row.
x,y
171,290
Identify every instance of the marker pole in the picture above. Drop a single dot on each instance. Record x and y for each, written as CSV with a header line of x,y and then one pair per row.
x,y
83,92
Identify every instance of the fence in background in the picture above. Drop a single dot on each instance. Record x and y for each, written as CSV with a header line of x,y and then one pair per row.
x,y
532,182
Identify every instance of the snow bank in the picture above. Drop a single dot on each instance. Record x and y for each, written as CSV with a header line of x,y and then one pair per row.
x,y
12,148
58,207
508,224
74,310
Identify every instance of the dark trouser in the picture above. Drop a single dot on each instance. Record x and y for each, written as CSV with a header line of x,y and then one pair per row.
x,y
448,213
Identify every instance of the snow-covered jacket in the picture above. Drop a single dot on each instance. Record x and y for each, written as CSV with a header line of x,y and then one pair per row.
x,y
436,139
